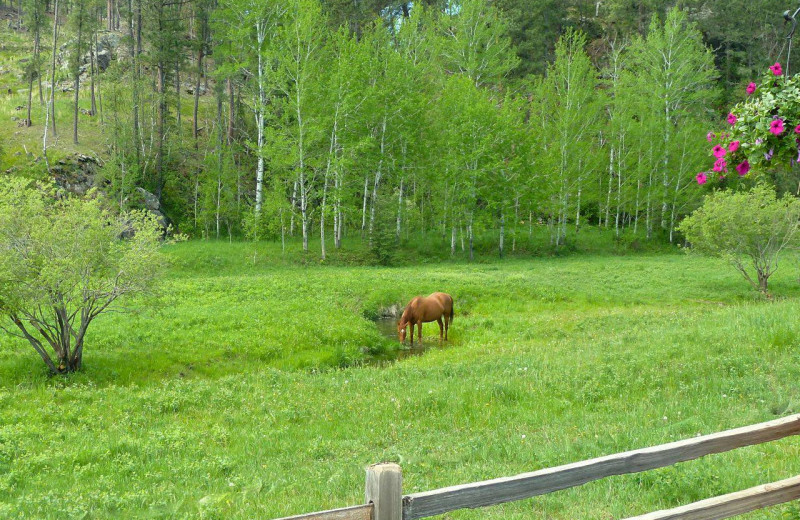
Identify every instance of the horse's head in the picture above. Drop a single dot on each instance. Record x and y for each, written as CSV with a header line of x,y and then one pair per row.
x,y
401,331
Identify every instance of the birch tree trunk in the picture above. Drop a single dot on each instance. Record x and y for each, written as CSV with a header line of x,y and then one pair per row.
x,y
610,183
578,205
200,56
502,231
364,207
52,105
261,35
399,209
77,71
92,72
377,179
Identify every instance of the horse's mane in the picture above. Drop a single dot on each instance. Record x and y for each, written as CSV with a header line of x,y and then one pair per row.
x,y
408,312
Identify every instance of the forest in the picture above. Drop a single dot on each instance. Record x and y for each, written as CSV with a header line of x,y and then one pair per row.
x,y
461,120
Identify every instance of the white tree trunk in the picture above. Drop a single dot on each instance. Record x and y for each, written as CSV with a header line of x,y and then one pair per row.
x,y
261,34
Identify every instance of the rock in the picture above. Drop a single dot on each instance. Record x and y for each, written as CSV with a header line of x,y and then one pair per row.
x,y
151,205
201,90
103,59
150,201
76,173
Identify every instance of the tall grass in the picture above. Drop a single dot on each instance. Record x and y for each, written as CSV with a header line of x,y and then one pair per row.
x,y
244,394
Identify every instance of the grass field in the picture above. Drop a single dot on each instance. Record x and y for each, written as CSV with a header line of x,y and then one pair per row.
x,y
244,392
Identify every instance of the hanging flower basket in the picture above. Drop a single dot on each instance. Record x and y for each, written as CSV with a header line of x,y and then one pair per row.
x,y
764,130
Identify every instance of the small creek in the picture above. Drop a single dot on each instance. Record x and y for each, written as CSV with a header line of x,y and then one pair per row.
x,y
388,328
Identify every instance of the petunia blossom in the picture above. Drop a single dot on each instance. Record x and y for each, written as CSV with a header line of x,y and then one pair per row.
x,y
776,69
751,88
719,152
732,119
797,129
701,178
743,167
720,165
710,136
776,126
768,155
733,146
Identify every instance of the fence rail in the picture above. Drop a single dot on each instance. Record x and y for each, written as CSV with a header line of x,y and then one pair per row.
x,y
733,504
385,500
364,512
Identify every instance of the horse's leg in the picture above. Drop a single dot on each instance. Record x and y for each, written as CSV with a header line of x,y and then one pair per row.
x,y
446,325
441,330
419,329
412,333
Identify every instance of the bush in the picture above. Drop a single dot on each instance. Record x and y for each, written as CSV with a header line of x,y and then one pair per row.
x,y
748,229
63,262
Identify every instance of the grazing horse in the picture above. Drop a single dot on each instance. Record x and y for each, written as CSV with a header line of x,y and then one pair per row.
x,y
423,310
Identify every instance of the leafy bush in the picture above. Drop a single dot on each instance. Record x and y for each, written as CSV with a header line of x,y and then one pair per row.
x,y
63,262
749,229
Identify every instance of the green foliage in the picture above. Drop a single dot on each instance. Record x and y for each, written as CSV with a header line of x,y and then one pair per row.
x,y
748,229
384,241
63,263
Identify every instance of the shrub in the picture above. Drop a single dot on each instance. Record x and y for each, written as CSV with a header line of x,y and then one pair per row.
x,y
63,262
748,229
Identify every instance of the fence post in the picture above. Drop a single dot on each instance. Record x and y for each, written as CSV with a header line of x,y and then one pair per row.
x,y
384,489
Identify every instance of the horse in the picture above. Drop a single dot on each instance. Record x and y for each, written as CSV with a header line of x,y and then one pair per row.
x,y
424,310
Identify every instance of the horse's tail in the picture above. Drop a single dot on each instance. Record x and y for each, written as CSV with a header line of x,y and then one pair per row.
x,y
452,310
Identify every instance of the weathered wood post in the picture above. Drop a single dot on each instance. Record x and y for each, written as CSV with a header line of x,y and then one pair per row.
x,y
384,490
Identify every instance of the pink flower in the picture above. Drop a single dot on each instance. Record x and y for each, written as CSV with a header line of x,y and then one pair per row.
x,y
733,146
720,165
719,152
776,127
743,167
797,129
701,178
776,69
731,119
751,88
710,136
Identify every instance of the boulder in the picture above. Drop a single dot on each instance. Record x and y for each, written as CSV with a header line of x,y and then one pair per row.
x,y
103,59
153,207
76,173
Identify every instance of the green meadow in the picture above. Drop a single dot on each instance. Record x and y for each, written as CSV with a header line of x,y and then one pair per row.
x,y
257,386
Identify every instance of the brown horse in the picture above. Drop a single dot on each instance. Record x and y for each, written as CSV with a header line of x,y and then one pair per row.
x,y
424,310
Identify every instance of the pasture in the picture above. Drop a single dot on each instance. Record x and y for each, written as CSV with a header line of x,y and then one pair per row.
x,y
249,391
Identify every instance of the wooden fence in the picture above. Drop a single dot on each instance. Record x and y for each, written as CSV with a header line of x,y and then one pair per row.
x,y
385,500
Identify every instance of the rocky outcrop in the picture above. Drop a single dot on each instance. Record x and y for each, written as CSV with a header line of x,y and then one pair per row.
x,y
76,173
109,48
151,204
